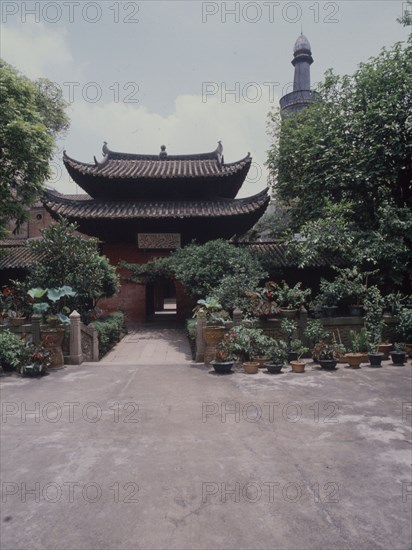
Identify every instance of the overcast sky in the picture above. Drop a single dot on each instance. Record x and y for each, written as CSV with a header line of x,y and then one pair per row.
x,y
146,73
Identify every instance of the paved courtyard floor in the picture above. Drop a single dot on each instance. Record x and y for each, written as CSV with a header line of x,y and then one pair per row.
x,y
140,453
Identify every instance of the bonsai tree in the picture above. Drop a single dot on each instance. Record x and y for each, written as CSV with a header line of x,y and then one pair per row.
x,y
277,353
292,297
288,327
374,322
329,294
315,332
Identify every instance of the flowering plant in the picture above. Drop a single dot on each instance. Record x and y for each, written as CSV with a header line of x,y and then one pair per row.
x,y
263,302
36,361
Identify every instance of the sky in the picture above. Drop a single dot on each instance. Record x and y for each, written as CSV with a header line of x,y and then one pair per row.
x,y
184,74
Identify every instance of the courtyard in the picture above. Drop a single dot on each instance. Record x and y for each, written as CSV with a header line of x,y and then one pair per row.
x,y
147,449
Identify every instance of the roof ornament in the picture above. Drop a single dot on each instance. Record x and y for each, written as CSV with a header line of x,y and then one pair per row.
x,y
162,153
219,152
105,149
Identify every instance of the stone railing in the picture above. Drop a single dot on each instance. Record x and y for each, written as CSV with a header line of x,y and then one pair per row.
x,y
80,344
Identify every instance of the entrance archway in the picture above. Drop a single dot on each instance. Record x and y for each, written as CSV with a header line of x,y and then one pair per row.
x,y
161,303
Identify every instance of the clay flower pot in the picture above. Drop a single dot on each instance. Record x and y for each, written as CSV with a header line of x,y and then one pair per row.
x,y
298,366
251,367
354,360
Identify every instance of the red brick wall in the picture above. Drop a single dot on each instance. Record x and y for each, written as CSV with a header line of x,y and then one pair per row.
x,y
132,297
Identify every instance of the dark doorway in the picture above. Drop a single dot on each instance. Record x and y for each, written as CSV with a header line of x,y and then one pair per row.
x,y
161,301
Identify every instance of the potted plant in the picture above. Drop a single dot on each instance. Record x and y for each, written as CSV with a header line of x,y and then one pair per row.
x,y
398,356
288,328
315,333
353,285
15,304
245,345
404,328
224,360
262,302
328,357
357,349
215,316
277,356
298,365
290,299
53,302
374,324
328,298
36,362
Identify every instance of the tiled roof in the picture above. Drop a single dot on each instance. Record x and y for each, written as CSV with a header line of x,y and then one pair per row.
x,y
17,257
168,168
280,256
151,177
59,204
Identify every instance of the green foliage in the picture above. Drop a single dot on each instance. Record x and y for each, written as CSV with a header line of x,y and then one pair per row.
x,y
261,302
32,115
404,326
205,269
358,341
216,268
67,259
109,330
277,352
212,310
343,167
315,332
57,301
150,272
12,350
291,297
243,343
374,322
191,334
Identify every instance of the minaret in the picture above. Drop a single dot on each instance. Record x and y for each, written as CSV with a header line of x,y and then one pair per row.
x,y
302,95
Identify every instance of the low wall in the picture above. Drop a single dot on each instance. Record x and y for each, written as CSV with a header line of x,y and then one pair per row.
x,y
340,326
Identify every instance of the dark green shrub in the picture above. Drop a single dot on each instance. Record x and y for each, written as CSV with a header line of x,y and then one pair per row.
x,y
12,350
109,330
191,334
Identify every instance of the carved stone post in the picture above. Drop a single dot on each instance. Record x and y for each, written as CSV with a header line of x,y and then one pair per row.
x,y
237,317
200,343
303,321
35,328
76,355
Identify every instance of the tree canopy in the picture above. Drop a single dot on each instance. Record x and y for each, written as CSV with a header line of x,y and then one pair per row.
x,y
343,166
66,258
32,116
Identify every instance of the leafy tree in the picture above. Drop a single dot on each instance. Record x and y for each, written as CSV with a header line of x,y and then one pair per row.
x,y
32,116
216,268
343,166
354,146
66,258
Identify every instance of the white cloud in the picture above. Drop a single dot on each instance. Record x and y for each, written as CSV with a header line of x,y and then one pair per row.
x,y
34,49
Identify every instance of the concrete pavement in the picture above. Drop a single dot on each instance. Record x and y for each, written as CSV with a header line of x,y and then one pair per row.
x,y
169,456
